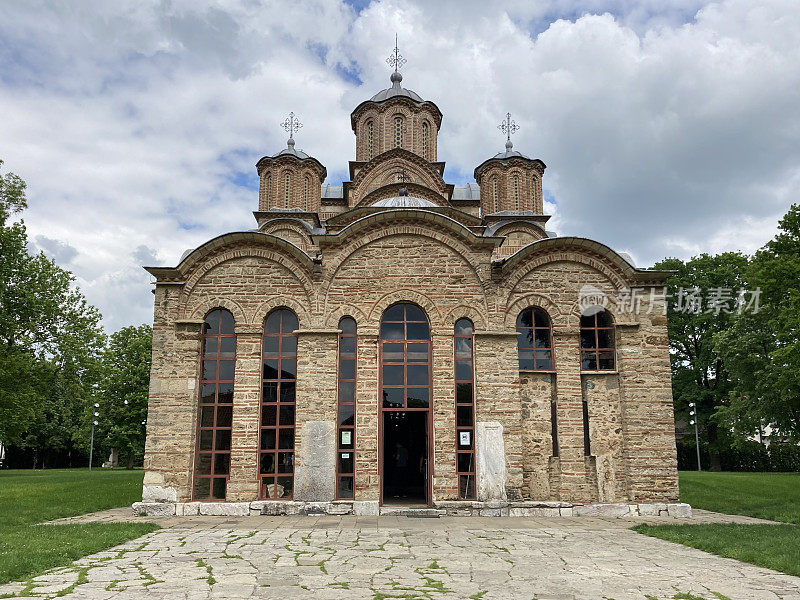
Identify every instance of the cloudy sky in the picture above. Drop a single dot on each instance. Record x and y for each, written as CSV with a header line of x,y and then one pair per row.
x,y
137,125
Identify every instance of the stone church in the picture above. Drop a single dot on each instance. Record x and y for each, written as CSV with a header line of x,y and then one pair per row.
x,y
398,342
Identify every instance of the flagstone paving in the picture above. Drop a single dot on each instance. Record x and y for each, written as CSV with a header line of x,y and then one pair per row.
x,y
374,558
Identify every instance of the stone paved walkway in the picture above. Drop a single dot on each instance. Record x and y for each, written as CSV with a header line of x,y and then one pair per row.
x,y
323,558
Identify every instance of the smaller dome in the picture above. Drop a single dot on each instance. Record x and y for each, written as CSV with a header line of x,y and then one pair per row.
x,y
510,152
290,150
405,202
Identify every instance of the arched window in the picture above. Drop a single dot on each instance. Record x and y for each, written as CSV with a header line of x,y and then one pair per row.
x,y
465,409
398,132
268,189
534,340
516,192
371,140
306,185
494,194
215,410
278,382
287,184
346,459
597,342
425,141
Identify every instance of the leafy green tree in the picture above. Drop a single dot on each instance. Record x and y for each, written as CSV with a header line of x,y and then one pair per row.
x,y
762,350
123,391
50,337
699,375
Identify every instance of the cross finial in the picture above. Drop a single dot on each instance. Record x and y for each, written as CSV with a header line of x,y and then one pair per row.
x,y
291,124
396,60
403,177
508,127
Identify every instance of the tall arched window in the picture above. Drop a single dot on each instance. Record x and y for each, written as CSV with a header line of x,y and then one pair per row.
x,y
306,186
494,194
268,189
516,192
398,132
425,141
287,184
346,459
597,342
215,410
371,140
278,382
534,340
465,409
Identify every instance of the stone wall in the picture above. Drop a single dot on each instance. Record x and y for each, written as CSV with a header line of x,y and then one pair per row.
x,y
446,269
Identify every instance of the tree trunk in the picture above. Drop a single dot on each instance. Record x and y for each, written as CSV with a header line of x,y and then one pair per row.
x,y
130,461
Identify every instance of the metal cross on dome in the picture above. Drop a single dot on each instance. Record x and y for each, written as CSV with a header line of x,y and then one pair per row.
x,y
508,127
396,60
291,124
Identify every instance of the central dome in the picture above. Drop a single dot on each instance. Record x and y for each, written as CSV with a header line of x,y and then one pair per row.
x,y
396,90
405,202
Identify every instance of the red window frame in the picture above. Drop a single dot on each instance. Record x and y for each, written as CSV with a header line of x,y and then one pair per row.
x,y
278,394
215,406
463,355
597,328
346,417
529,338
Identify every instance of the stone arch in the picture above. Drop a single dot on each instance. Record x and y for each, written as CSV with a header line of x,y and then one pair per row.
x,y
201,309
303,313
405,295
578,250
345,310
463,311
274,255
299,228
532,300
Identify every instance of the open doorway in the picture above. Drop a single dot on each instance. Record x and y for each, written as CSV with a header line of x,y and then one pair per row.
x,y
405,457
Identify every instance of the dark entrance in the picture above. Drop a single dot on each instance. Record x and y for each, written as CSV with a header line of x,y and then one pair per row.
x,y
405,451
405,425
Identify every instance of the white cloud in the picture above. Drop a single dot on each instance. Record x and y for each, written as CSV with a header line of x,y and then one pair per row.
x,y
137,125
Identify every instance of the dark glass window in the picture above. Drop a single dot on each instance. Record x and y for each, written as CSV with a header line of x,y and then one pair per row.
x,y
463,340
215,408
278,384
597,342
534,340
405,357
346,460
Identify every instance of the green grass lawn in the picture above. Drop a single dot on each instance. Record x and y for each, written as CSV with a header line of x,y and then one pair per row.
x,y
31,497
774,496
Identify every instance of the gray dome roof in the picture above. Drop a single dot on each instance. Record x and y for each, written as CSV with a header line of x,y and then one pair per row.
x,y
396,90
405,202
290,150
509,153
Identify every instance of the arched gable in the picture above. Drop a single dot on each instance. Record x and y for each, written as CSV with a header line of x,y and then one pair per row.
x,y
379,172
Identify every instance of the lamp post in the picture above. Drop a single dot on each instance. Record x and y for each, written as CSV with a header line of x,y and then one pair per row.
x,y
95,414
693,421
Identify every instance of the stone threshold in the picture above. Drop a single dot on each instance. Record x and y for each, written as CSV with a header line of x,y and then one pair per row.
x,y
449,508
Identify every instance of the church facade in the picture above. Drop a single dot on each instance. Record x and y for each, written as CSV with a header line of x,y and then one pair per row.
x,y
400,341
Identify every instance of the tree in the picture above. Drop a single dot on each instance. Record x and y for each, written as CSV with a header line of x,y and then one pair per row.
x,y
50,337
124,389
762,349
699,375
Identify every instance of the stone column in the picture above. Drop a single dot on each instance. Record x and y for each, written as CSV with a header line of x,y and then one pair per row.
x,y
569,411
497,416
443,413
367,414
243,484
647,410
172,404
315,420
